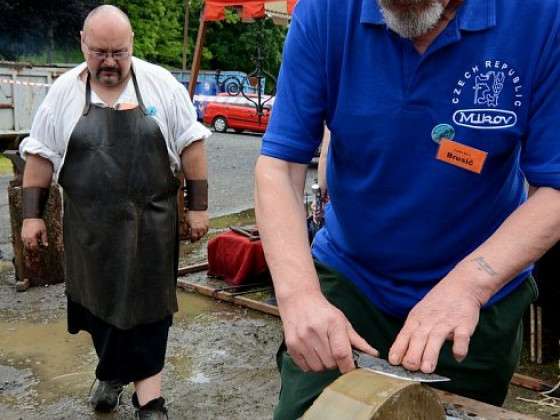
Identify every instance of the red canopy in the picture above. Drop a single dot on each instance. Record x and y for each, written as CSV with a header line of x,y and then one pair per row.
x,y
251,9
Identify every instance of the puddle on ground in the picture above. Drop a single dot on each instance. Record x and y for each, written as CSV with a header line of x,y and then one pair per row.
x,y
6,266
40,361
60,363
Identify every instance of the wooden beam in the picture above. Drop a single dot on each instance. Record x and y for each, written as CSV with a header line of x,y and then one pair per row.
x,y
197,55
228,297
186,34
193,268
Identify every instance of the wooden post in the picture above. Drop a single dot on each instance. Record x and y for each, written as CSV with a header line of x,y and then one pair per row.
x,y
539,335
186,34
532,334
197,55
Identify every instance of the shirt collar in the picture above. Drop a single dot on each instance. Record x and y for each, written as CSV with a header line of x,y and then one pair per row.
x,y
474,15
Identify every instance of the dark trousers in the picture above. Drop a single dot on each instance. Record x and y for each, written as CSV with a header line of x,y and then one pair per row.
x,y
124,355
484,375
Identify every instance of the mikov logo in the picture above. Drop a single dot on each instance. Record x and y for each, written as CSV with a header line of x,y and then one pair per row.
x,y
485,118
493,86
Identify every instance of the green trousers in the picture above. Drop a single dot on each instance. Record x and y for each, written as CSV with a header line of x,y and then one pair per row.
x,y
484,375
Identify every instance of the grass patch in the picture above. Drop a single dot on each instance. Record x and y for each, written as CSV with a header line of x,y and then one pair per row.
x,y
5,166
246,217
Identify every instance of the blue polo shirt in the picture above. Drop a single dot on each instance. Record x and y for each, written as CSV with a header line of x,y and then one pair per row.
x,y
400,219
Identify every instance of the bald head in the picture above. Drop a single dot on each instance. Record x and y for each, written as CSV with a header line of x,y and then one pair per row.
x,y
104,15
107,45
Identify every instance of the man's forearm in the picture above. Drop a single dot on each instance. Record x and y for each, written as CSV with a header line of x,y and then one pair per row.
x,y
521,240
38,172
195,169
281,221
194,162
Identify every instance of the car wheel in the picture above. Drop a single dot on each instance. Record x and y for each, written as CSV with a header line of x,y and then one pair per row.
x,y
220,124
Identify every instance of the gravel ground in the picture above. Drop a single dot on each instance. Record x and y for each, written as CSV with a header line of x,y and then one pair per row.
x,y
231,164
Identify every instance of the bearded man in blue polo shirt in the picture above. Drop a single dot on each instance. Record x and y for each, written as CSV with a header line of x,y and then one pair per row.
x,y
440,112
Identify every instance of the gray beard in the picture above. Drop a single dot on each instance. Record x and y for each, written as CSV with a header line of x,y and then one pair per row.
x,y
411,24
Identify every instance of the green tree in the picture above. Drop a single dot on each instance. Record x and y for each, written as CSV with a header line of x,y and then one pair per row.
x,y
32,27
157,27
231,44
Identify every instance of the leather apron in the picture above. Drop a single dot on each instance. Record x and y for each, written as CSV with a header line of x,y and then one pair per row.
x,y
120,223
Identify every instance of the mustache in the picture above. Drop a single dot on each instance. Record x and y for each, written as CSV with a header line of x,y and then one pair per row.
x,y
112,69
108,70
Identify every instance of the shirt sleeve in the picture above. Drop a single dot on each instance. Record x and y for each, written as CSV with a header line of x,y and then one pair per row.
x,y
184,127
296,125
540,156
42,140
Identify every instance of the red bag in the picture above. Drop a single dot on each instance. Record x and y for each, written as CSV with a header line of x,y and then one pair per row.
x,y
235,258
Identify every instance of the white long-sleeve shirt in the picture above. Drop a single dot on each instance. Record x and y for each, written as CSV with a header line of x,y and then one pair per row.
x,y
164,97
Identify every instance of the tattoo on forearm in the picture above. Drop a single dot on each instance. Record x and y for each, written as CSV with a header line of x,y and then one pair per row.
x,y
484,266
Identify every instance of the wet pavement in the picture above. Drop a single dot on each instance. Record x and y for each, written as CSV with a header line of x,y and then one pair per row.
x,y
220,362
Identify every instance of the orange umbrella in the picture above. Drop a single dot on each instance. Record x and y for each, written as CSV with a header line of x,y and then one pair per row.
x,y
250,9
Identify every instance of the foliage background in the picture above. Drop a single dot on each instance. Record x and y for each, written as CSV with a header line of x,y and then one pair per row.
x,y
48,32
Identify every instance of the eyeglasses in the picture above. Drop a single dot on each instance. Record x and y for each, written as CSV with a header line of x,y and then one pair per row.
x,y
104,55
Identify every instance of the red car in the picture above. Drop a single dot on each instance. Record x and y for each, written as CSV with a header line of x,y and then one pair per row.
x,y
222,116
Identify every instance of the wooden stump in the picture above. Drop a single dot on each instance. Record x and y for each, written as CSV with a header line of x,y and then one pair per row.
x,y
365,395
45,266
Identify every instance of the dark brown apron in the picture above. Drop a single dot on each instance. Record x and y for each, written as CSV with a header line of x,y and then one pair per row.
x,y
120,216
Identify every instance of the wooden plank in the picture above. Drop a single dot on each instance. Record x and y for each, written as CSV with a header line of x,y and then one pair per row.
x,y
479,408
228,297
531,383
193,268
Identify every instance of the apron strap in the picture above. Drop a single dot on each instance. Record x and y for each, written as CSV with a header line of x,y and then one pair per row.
x,y
88,96
138,94
87,106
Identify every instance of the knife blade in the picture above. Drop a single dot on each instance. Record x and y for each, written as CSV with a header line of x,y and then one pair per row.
x,y
383,367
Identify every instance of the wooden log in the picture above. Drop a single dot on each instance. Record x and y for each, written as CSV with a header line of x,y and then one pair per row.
x,y
365,395
45,266
531,383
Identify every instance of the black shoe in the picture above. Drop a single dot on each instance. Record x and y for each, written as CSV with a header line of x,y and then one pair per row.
x,y
154,410
107,396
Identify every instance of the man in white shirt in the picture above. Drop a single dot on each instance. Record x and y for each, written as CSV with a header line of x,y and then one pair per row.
x,y
114,132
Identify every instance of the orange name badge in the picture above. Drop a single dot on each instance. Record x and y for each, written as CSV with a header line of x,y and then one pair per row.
x,y
461,155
